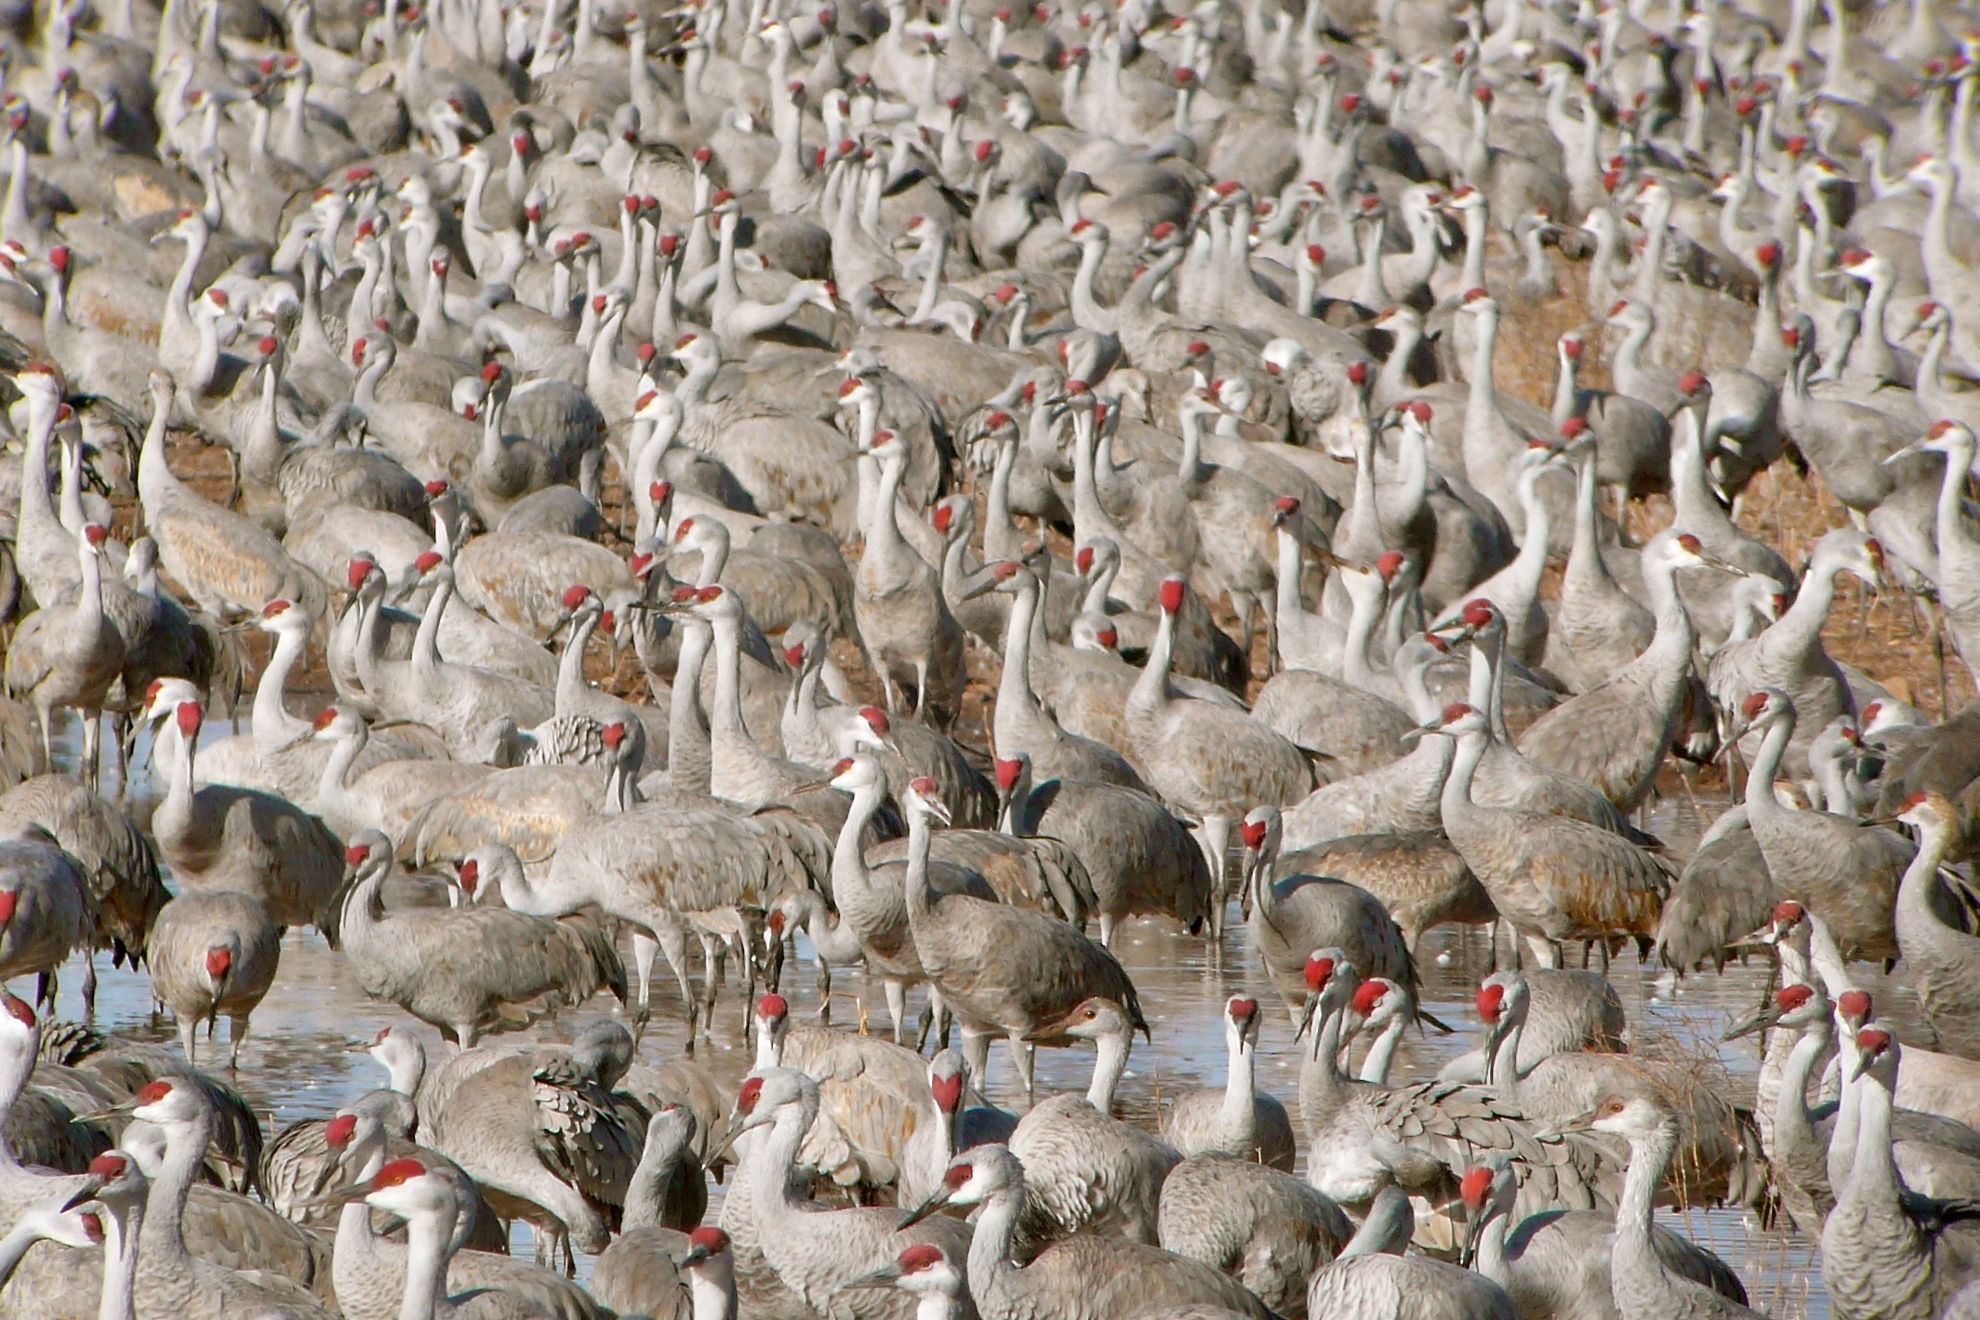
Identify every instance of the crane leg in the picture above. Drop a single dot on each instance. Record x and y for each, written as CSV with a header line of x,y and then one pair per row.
x,y
976,1058
920,687
1216,843
1545,952
89,985
644,948
238,1029
188,1037
1106,930
896,1007
93,743
1025,1055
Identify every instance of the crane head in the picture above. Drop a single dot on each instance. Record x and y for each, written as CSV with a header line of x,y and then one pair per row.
x,y
18,1009
1874,1046
773,1007
219,961
947,1089
470,876
189,717
704,1244
356,855
1855,1006
338,1131
1172,593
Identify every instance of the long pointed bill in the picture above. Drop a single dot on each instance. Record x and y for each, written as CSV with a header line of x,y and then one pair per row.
x,y
1759,1020
884,1277
83,1194
927,1208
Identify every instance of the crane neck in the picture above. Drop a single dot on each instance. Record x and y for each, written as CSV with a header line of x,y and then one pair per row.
x,y
851,881
1455,800
772,1161
914,878
426,641
272,721
1322,1088
1239,1114
1675,635
427,1242
1381,1056
1873,1176
1289,605
1914,890
689,755
336,778
935,251
1502,1064
712,1297
1952,490
571,687
1014,680
646,1193
122,1227
1489,1258
1697,509
1365,613
1151,689
992,1276
1484,393
1791,1103
1650,1158
1110,1059
1760,799
162,1240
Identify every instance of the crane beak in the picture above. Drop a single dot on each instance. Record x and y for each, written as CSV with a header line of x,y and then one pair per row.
x,y
983,588
923,1211
1474,1229
299,740
1762,1018
83,1194
884,1277
1584,1122
1915,447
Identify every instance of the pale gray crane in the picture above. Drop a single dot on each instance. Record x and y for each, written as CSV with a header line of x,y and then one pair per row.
x,y
24,1185
386,795
547,1135
1021,725
222,837
429,1203
227,563
1287,918
1790,655
170,1280
1568,1010
1205,758
1262,1227
1138,857
1558,1264
1552,878
1845,873
1086,1277
1086,1169
437,964
1940,955
641,1271
904,625
1717,1141
300,1162
1372,1280
213,952
816,1252
1644,1287
69,654
1639,706
44,911
923,1272
1236,1119
1044,968
880,1121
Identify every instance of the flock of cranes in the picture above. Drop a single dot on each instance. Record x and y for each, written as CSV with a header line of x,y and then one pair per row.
x,y
951,484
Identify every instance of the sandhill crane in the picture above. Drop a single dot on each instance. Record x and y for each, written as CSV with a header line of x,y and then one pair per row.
x,y
1020,724
1567,1011
1236,1120
1551,877
213,952
1205,758
1048,968
229,564
1364,1136
815,1253
386,795
1715,1145
1643,1284
1372,1280
1083,1278
1289,918
699,1283
1639,705
69,655
1138,857
169,1278
1938,953
1264,1228
903,623
44,911
435,964
1085,1168
549,1137
220,837
1846,874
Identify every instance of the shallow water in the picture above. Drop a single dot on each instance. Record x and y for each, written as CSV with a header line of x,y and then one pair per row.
x,y
295,1064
